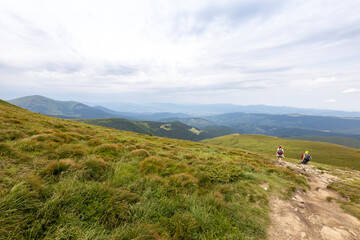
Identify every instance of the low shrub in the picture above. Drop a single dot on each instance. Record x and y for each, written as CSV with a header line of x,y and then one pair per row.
x,y
224,172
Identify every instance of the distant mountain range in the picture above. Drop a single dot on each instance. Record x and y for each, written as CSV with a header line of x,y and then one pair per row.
x,y
196,110
109,118
280,125
60,109
243,121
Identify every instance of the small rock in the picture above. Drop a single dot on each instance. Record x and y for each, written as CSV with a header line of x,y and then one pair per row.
x,y
330,234
265,186
298,199
349,230
303,234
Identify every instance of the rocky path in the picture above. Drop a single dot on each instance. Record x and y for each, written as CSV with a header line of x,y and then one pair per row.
x,y
309,215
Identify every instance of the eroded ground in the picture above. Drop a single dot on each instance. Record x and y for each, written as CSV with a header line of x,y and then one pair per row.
x,y
309,215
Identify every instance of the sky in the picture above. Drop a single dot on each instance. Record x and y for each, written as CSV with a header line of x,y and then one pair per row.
x,y
283,53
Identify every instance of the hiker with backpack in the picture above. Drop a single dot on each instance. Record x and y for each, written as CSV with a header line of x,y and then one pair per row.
x,y
305,159
279,153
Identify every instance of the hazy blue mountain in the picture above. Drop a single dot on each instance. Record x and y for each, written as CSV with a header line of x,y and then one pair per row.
x,y
144,116
61,109
316,123
176,130
282,125
214,109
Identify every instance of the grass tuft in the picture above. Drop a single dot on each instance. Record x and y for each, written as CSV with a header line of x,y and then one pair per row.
x,y
184,181
160,166
56,168
10,134
109,150
139,153
7,151
94,168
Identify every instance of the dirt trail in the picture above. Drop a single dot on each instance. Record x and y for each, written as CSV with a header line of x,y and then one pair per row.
x,y
308,215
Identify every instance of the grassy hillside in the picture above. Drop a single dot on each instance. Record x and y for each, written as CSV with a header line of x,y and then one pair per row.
x,y
347,142
61,179
325,153
176,130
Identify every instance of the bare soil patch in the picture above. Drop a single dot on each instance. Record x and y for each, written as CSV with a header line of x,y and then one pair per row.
x,y
309,215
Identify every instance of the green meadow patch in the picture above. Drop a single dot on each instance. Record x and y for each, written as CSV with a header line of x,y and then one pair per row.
x,y
324,153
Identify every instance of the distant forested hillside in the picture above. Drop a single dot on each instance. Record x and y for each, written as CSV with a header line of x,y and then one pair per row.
x,y
175,130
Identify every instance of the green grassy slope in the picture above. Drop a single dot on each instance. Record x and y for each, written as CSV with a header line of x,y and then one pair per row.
x,y
62,179
325,153
347,142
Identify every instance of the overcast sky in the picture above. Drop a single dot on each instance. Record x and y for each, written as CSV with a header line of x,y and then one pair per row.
x,y
284,53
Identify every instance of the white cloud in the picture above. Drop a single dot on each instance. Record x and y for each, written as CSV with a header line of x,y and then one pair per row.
x,y
237,46
331,100
351,90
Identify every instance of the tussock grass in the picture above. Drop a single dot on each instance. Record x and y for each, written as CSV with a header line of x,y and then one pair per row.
x,y
94,168
76,151
57,167
139,153
160,166
11,135
109,150
90,182
7,151
184,181
94,142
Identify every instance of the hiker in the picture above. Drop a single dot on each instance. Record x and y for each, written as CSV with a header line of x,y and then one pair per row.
x,y
305,159
279,153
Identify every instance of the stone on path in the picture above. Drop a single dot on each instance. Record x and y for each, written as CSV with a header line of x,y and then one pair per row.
x,y
330,234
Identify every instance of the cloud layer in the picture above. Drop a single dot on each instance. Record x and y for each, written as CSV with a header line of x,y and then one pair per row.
x,y
294,53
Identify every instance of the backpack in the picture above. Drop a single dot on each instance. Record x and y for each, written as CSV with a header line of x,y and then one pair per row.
x,y
307,158
280,151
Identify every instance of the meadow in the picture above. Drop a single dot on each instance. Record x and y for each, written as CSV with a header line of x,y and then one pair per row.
x,y
61,179
324,153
